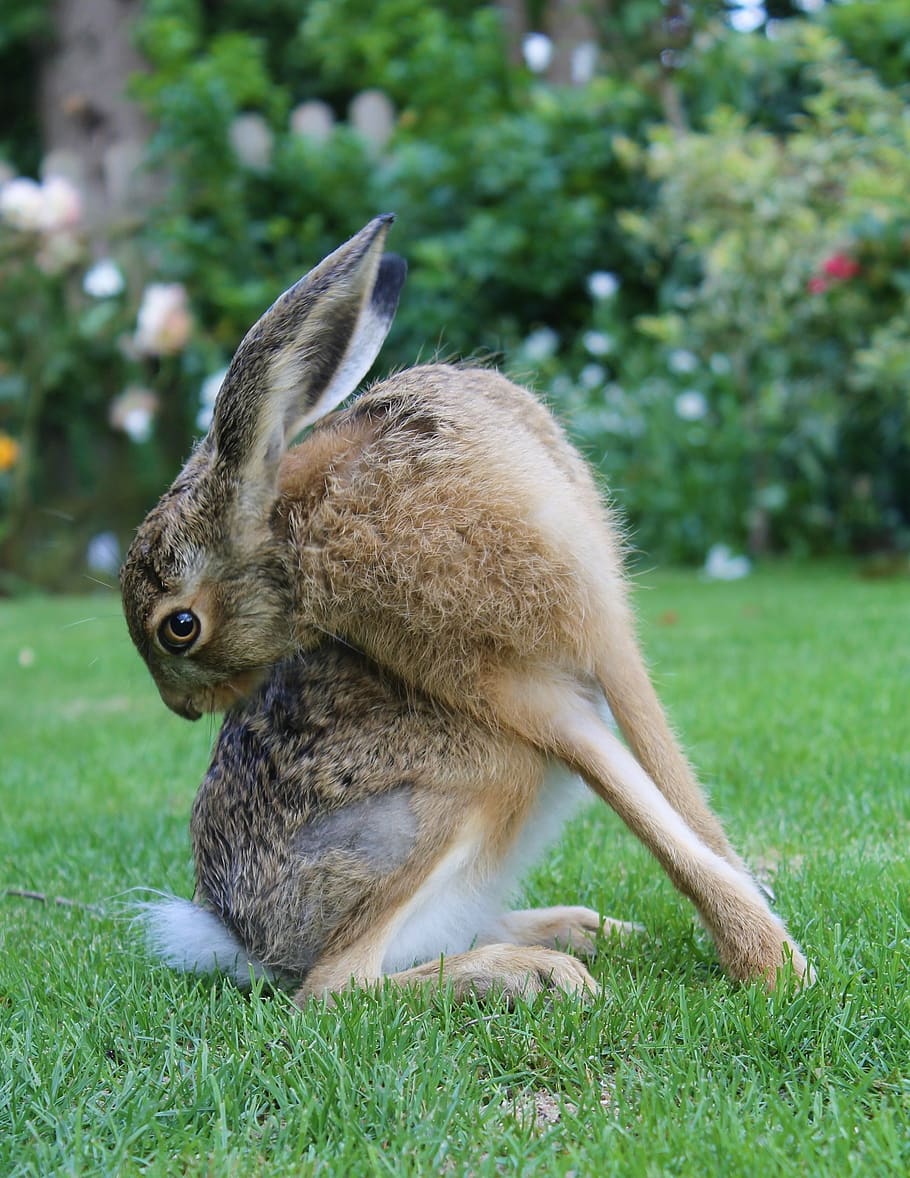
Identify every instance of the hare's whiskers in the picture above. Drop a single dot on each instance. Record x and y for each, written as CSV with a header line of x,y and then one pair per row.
x,y
93,618
96,581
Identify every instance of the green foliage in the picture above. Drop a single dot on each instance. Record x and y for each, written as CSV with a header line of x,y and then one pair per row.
x,y
785,275
877,33
444,64
766,80
714,174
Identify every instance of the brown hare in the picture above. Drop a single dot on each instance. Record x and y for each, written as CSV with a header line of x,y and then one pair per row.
x,y
443,526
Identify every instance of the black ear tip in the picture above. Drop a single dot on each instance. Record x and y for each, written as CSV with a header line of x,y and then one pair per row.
x,y
394,264
386,218
389,281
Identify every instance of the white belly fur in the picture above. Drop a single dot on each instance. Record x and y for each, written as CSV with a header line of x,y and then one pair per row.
x,y
460,902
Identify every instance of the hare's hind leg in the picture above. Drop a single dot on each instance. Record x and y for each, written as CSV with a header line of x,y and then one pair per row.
x,y
450,919
637,710
514,970
555,713
511,970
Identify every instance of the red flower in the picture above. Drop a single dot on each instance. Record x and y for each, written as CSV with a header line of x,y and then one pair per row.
x,y
841,266
817,285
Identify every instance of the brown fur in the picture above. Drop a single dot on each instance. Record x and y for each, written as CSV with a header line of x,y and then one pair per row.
x,y
332,794
444,526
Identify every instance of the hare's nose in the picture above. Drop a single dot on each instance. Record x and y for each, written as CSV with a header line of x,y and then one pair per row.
x,y
185,708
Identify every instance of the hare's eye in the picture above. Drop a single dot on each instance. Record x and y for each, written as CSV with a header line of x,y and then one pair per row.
x,y
178,632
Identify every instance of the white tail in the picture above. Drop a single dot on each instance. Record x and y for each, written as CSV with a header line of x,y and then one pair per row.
x,y
193,940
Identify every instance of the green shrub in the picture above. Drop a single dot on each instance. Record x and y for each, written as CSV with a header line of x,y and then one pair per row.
x,y
665,287
785,274
877,34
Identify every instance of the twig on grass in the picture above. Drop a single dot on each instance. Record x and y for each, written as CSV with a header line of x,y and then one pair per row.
x,y
41,898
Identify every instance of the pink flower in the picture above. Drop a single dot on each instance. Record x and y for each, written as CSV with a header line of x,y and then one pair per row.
x,y
62,204
817,285
841,266
52,207
133,412
22,204
164,322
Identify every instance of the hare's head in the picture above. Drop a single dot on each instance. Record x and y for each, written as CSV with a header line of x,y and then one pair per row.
x,y
206,587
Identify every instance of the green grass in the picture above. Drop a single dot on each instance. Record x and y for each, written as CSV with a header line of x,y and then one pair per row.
x,y
792,690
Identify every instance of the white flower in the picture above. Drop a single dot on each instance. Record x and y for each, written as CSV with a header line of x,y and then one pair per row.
x,y
602,285
597,343
722,565
748,18
681,361
22,204
538,52
103,280
720,364
691,405
164,323
103,553
592,375
372,115
137,424
540,344
584,62
133,412
252,140
50,207
61,204
313,120
208,395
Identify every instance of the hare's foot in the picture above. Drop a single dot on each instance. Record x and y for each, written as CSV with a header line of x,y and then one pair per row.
x,y
510,970
572,928
764,953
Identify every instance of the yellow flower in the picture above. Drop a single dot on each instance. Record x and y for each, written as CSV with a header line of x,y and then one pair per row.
x,y
9,452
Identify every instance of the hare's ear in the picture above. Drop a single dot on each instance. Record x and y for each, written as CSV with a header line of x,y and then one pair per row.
x,y
307,353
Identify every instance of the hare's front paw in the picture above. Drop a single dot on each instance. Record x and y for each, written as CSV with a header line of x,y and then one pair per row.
x,y
573,928
582,929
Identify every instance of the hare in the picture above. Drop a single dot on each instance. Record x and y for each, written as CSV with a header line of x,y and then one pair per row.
x,y
349,826
444,526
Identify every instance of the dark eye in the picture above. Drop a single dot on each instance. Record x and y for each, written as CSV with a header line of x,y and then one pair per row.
x,y
178,632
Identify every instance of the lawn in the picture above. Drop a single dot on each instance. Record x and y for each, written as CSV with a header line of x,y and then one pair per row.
x,y
791,689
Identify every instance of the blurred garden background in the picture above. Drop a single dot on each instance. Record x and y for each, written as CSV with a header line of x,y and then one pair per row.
x,y
686,225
